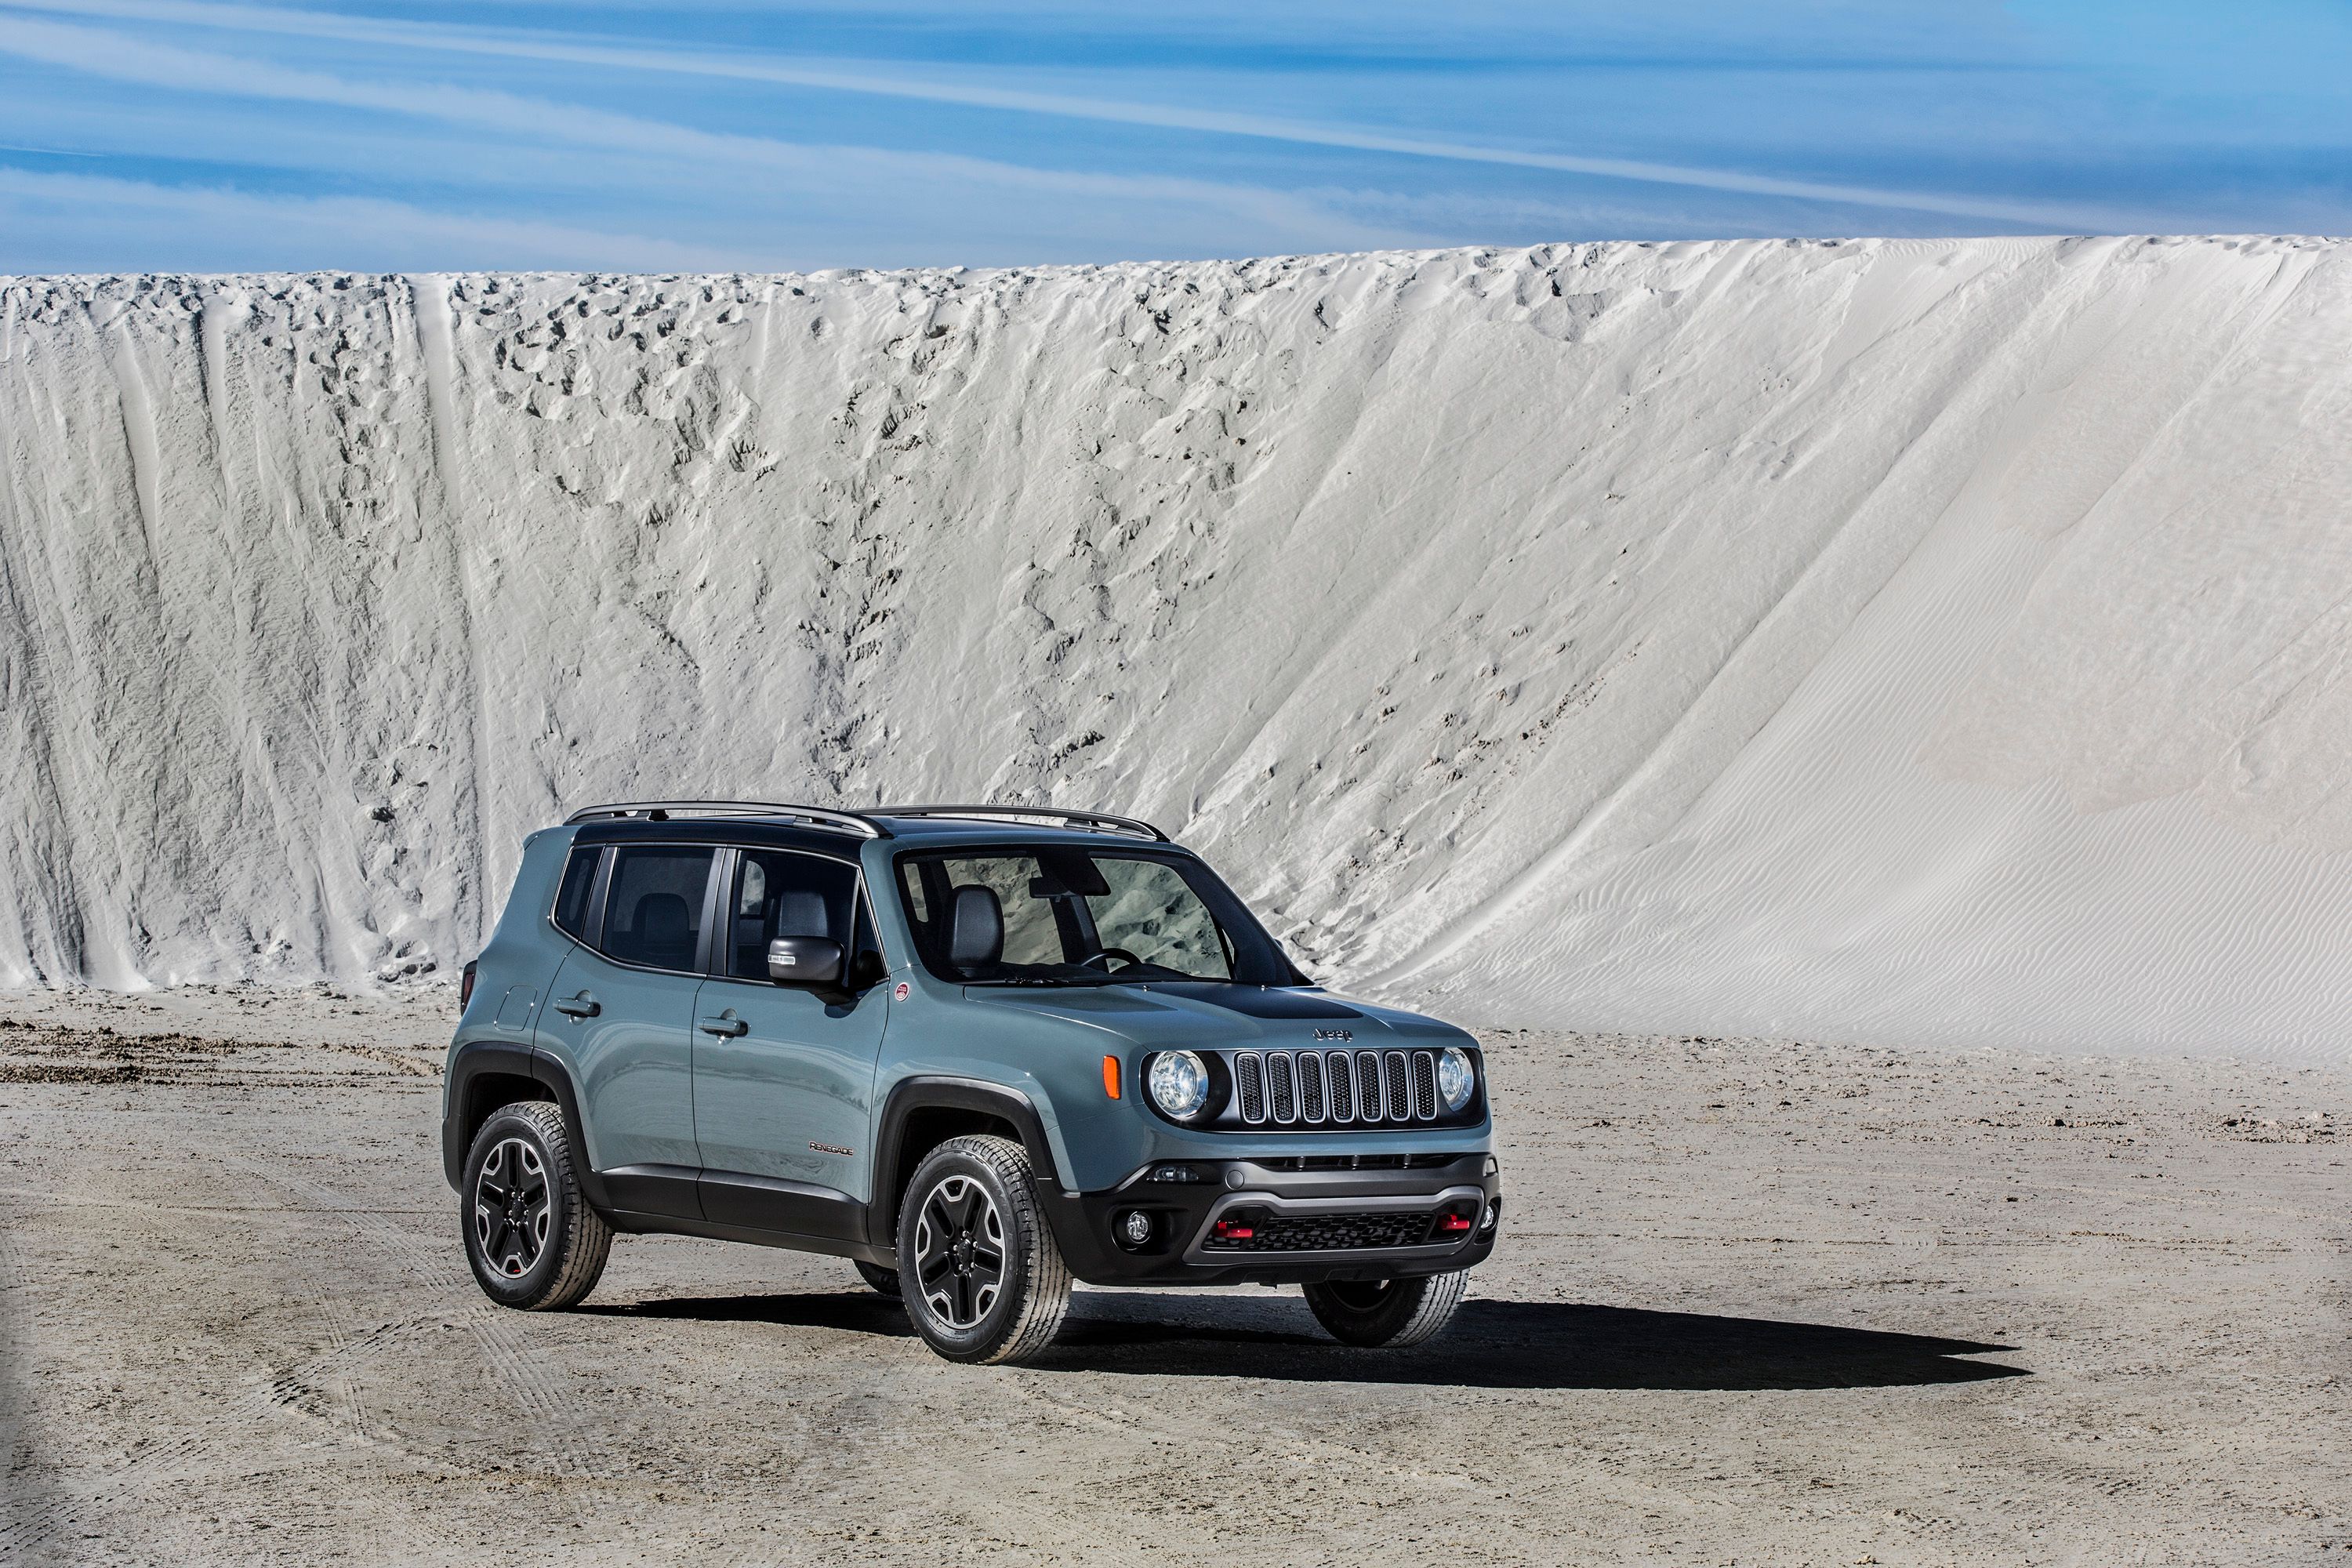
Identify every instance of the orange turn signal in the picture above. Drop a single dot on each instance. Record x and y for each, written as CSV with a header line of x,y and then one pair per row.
x,y
1110,1076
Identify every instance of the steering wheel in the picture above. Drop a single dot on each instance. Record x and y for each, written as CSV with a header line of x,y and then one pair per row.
x,y
1133,962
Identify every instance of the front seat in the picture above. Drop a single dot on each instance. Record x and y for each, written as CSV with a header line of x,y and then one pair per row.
x,y
800,913
975,929
665,937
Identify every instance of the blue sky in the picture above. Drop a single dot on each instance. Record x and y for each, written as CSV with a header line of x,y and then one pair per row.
x,y
187,134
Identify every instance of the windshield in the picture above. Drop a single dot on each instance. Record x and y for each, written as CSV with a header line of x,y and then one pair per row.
x,y
1078,917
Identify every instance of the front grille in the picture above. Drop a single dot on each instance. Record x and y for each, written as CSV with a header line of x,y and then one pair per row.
x,y
1316,1233
1372,1090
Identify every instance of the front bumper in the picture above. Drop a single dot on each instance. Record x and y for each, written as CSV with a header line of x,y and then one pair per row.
x,y
1282,1226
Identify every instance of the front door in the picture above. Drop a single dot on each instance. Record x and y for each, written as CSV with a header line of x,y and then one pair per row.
x,y
784,1078
621,1013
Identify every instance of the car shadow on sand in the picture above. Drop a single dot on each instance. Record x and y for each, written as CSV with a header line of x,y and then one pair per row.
x,y
1491,1345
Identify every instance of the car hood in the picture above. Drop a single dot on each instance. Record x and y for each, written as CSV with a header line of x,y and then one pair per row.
x,y
1206,1014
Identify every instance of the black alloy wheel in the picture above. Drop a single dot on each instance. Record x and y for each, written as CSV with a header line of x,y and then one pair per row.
x,y
960,1252
512,1207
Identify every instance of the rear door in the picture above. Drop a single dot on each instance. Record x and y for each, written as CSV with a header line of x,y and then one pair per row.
x,y
784,1078
621,1013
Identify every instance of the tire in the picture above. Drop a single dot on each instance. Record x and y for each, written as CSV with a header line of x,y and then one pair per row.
x,y
886,1280
1388,1314
977,1269
530,1237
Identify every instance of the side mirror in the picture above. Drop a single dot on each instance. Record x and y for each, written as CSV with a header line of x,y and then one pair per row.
x,y
809,961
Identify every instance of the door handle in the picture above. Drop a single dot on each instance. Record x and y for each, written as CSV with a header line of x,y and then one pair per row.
x,y
581,1007
726,1023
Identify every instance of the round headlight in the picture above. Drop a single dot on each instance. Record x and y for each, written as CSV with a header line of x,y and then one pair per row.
x,y
1179,1084
1455,1078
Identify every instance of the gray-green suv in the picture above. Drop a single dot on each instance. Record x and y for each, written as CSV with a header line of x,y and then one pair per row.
x,y
976,1050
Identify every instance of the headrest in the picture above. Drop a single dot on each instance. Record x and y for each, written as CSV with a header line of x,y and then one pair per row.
x,y
800,913
661,916
975,928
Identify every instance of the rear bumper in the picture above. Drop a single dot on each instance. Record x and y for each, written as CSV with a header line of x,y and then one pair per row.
x,y
1282,1226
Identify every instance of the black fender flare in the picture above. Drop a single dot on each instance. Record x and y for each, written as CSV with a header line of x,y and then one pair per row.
x,y
938,1093
512,1058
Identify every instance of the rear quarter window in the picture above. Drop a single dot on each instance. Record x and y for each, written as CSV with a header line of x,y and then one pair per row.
x,y
572,898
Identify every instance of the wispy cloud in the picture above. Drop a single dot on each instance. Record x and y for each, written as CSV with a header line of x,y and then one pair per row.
x,y
965,92
79,217
116,55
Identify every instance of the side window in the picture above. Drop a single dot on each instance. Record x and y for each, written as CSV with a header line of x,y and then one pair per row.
x,y
571,898
653,914
780,893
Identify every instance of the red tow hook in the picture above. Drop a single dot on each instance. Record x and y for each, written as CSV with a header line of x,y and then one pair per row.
x,y
1226,1230
1453,1224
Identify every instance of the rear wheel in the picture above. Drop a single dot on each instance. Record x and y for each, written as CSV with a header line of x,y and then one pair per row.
x,y
1388,1314
533,1242
977,1269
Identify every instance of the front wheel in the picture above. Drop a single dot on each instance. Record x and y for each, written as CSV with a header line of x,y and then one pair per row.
x,y
532,1240
1388,1314
977,1269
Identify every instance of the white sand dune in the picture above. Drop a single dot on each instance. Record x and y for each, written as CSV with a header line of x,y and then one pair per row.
x,y
1941,642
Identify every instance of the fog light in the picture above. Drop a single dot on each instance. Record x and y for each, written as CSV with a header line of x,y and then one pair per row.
x,y
1493,1214
1134,1227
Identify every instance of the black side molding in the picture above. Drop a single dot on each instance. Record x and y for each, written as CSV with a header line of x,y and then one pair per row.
x,y
772,1204
662,1191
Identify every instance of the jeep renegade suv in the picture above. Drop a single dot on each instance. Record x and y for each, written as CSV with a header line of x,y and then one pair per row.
x,y
975,1050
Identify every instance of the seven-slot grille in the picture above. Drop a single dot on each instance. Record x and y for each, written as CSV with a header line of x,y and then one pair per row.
x,y
1336,1088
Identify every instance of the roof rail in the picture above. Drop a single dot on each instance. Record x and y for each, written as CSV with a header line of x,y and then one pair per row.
x,y
1100,821
852,821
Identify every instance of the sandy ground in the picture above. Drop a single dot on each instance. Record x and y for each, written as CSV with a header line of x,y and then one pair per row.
x,y
1760,1302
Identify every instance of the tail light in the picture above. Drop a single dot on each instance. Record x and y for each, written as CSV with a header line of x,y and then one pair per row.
x,y
466,985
